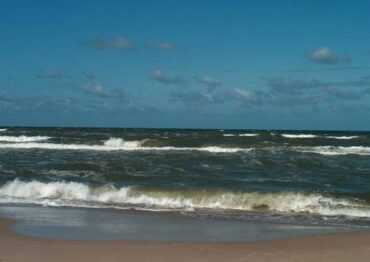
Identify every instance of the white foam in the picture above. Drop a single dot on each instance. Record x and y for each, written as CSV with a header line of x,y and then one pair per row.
x,y
342,137
3,129
313,136
22,139
335,150
78,194
118,144
216,149
248,134
298,135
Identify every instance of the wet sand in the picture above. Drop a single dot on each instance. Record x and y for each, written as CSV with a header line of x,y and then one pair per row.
x,y
330,247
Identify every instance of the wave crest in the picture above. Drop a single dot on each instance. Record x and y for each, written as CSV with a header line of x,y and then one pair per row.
x,y
342,137
298,135
335,150
118,144
247,134
67,193
23,139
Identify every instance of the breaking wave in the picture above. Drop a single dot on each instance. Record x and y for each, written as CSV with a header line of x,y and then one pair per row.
x,y
335,150
118,144
248,134
316,136
342,137
78,194
22,139
2,129
299,136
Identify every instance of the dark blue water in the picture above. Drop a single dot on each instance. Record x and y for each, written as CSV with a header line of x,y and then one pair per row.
x,y
314,177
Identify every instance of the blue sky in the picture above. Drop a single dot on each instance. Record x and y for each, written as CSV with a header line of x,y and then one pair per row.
x,y
196,64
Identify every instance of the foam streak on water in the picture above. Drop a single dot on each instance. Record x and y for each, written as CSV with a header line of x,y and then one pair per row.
x,y
247,135
343,137
21,139
298,135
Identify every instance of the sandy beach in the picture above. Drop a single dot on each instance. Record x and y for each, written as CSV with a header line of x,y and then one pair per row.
x,y
331,247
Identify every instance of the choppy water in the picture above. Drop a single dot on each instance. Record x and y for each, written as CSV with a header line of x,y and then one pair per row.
x,y
319,177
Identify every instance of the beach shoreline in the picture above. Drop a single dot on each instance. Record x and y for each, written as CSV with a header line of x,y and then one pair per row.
x,y
352,246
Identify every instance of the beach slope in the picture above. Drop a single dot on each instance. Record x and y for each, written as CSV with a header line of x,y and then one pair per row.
x,y
331,247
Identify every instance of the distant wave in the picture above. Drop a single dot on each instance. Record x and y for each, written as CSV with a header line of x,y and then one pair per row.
x,y
118,144
3,129
247,134
298,135
342,137
335,150
22,139
78,194
316,136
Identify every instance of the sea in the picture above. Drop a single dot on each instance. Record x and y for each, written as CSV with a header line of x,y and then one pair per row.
x,y
183,184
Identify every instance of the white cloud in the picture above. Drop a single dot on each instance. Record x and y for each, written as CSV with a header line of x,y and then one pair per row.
x,y
159,76
98,89
243,96
324,55
208,81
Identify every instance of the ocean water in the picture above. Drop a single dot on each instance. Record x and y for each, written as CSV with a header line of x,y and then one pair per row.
x,y
295,177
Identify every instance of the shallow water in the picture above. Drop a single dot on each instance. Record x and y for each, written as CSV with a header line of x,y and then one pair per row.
x,y
96,224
